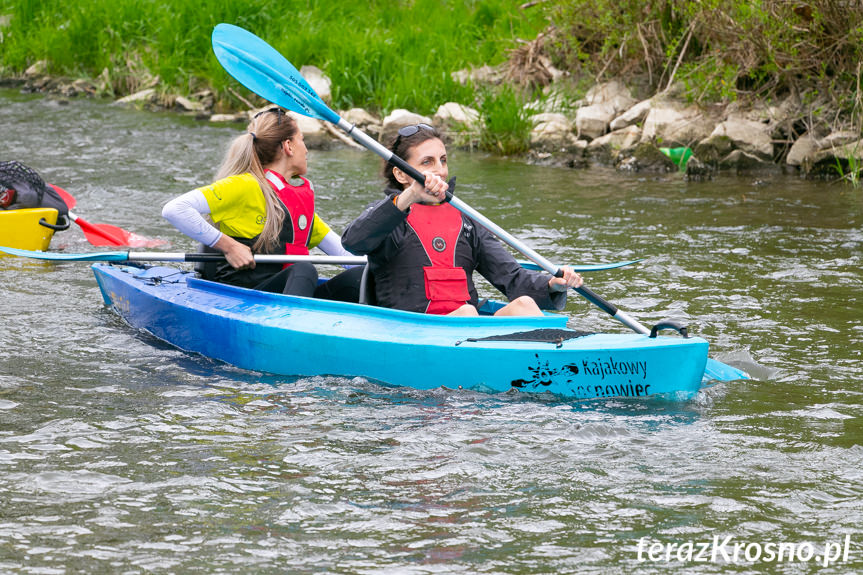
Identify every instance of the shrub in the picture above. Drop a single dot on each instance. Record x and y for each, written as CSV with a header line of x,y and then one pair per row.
x,y
718,49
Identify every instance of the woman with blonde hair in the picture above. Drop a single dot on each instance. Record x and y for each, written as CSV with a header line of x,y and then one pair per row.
x,y
256,209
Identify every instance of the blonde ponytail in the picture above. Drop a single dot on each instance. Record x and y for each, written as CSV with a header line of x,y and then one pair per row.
x,y
249,153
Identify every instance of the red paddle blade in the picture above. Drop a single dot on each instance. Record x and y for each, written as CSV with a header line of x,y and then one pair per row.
x,y
67,197
108,235
104,234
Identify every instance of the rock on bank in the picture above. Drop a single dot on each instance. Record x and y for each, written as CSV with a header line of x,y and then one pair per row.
x,y
607,127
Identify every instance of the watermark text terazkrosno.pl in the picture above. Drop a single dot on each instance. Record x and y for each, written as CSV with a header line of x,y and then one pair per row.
x,y
729,550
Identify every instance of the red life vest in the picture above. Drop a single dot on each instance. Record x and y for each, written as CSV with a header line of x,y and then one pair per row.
x,y
438,229
299,204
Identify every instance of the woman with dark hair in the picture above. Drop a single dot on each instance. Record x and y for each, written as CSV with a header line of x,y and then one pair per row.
x,y
422,251
257,210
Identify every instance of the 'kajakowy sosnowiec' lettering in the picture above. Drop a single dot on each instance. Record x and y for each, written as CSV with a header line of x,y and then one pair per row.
x,y
622,390
543,374
610,367
602,368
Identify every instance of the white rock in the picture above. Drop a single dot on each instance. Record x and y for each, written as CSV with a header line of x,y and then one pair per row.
x,y
592,121
622,139
742,161
188,105
37,69
748,136
359,117
241,117
363,120
612,94
670,125
405,118
851,151
658,118
142,96
633,115
454,114
399,118
804,147
319,81
554,135
837,139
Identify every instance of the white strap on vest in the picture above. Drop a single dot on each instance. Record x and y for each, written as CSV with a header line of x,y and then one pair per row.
x,y
275,180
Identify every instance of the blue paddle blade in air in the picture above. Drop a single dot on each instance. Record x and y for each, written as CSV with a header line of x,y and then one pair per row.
x,y
260,68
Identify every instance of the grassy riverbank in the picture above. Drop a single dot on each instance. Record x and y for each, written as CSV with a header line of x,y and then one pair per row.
x,y
383,55
379,55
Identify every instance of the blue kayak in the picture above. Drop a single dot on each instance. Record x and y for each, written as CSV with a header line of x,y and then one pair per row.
x,y
299,336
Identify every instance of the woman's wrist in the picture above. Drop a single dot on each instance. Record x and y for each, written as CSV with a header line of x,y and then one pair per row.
x,y
403,201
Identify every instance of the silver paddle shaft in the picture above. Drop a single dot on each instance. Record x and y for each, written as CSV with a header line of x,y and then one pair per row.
x,y
259,258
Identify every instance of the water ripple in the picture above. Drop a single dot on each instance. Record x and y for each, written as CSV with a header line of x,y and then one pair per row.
x,y
119,453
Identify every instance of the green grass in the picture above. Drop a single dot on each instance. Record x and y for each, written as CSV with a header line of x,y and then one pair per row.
x,y
506,122
380,55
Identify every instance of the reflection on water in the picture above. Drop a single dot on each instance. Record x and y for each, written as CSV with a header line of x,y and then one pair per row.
x,y
119,453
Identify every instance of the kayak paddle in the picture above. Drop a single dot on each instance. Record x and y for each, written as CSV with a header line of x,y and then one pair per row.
x,y
105,234
129,256
264,71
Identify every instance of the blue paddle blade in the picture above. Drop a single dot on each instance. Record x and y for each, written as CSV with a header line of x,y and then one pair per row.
x,y
581,268
55,257
260,68
716,370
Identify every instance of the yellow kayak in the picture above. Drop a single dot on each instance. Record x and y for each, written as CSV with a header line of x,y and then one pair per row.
x,y
21,228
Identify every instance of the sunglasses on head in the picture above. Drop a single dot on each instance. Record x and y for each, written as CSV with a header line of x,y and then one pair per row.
x,y
409,131
278,111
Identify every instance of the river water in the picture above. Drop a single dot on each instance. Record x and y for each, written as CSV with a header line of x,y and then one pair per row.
x,y
120,454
